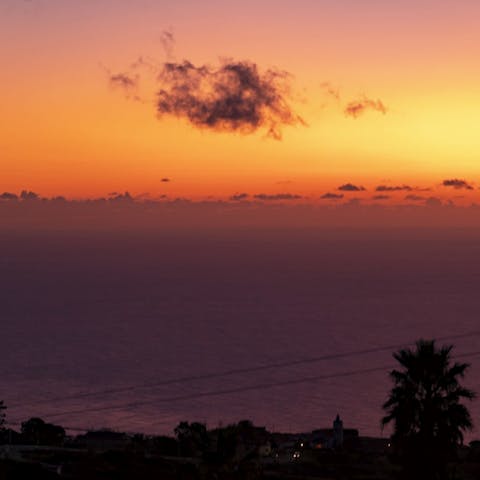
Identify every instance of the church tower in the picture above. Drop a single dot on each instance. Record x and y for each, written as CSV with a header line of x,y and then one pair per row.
x,y
338,432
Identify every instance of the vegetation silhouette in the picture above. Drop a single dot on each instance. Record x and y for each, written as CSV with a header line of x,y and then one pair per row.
x,y
37,432
192,438
2,415
425,408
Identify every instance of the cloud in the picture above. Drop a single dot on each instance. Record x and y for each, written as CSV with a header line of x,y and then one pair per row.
x,y
165,180
349,187
457,184
381,197
277,196
239,196
155,212
433,202
8,196
235,97
330,90
125,197
127,82
414,198
28,195
332,196
167,39
358,107
394,188
148,64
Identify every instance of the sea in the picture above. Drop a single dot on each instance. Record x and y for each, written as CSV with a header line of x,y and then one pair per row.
x,y
136,331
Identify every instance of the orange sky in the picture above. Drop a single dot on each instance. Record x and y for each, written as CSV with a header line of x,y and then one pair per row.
x,y
65,130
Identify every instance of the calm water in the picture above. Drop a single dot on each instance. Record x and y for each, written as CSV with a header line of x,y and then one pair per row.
x,y
108,313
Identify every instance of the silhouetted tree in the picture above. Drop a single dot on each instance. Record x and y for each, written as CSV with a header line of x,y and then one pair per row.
x,y
2,415
241,441
426,410
36,431
192,438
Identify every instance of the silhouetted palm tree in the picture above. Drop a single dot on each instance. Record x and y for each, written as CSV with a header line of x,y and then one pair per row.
x,y
426,410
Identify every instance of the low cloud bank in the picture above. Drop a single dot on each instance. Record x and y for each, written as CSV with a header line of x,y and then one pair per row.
x,y
123,210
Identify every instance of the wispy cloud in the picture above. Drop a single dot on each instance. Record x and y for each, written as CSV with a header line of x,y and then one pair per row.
x,y
277,196
239,196
356,108
332,196
167,39
393,188
330,90
127,82
414,198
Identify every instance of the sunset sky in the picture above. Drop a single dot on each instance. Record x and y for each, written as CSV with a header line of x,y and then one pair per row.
x,y
411,69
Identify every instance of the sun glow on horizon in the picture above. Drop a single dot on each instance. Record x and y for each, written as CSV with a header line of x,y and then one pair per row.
x,y
67,131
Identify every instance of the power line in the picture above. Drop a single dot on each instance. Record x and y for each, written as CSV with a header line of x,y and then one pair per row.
x,y
237,371
213,393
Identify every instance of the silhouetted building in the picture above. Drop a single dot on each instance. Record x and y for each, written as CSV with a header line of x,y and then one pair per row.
x,y
337,432
336,437
103,440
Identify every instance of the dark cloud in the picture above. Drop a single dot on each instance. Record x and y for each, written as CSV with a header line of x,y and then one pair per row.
x,y
165,180
359,107
8,196
381,197
125,81
125,197
236,97
457,184
332,196
349,187
239,196
277,196
394,188
167,39
28,195
414,198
